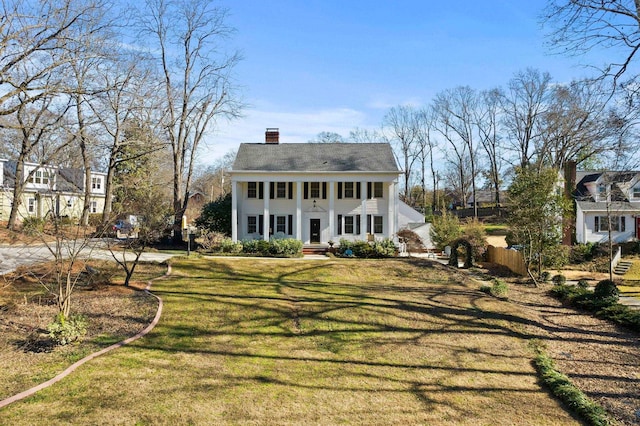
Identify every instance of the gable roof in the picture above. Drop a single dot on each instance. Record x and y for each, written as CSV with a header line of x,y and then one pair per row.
x,y
316,157
620,183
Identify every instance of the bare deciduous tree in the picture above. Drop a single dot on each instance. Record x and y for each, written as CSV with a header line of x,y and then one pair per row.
x,y
579,26
523,105
197,81
401,124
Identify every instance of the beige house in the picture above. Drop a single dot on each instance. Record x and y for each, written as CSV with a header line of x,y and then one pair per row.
x,y
49,190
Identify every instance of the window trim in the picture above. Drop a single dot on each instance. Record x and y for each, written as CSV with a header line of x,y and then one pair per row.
x,y
314,192
349,187
618,224
252,189
250,225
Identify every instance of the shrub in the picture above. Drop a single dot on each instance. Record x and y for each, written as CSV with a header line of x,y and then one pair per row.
x,y
444,230
582,283
255,246
366,250
562,387
211,241
284,247
228,246
622,315
33,225
581,253
475,234
606,289
556,256
559,279
499,288
66,330
545,276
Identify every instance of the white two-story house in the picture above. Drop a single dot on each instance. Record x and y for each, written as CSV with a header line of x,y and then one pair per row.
x,y
316,192
49,190
607,196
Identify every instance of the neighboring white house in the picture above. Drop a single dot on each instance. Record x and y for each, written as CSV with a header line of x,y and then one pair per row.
x,y
316,192
49,190
603,195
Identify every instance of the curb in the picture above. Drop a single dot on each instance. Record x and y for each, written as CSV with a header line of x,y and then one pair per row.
x,y
88,358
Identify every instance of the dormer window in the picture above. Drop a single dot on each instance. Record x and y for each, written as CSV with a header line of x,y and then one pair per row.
x,y
96,183
635,193
602,192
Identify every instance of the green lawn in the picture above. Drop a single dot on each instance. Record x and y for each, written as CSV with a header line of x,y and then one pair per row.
x,y
256,341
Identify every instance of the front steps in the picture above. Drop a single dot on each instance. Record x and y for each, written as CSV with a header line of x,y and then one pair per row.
x,y
622,267
315,249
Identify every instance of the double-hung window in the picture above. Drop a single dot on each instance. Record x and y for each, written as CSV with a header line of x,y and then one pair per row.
x,y
635,194
31,205
281,224
348,190
252,189
252,224
617,224
281,190
96,183
314,190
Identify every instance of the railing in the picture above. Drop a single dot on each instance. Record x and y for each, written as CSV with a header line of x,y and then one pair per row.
x,y
616,258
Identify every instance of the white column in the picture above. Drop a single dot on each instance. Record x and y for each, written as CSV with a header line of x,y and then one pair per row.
x,y
265,219
363,219
332,208
396,208
299,210
234,211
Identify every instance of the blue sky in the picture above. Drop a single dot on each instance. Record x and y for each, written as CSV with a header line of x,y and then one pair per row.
x,y
326,65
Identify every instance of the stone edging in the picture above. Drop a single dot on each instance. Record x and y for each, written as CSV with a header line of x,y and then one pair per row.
x,y
88,358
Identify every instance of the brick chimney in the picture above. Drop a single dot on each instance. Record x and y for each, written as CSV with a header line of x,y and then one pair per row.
x,y
272,136
568,231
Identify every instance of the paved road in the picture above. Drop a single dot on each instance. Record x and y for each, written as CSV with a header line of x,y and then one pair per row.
x,y
14,256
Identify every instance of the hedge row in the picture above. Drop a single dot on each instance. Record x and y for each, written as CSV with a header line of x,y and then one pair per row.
x,y
288,247
367,250
603,301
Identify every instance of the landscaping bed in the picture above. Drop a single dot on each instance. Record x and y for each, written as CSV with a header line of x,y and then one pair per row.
x,y
113,312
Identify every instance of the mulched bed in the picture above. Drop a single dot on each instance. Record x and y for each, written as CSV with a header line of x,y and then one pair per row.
x,y
602,359
113,313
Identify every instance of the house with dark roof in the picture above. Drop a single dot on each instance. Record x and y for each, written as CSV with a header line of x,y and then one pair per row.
x,y
49,190
607,198
316,192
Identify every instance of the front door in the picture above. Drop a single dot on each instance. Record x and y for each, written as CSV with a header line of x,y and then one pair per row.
x,y
315,231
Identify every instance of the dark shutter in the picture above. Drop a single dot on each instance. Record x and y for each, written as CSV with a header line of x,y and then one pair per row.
x,y
369,224
358,191
339,190
291,190
261,224
290,224
358,224
271,222
622,224
339,224
324,190
306,190
597,224
261,190
272,192
369,190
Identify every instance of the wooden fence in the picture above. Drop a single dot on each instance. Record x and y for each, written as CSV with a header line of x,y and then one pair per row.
x,y
512,259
